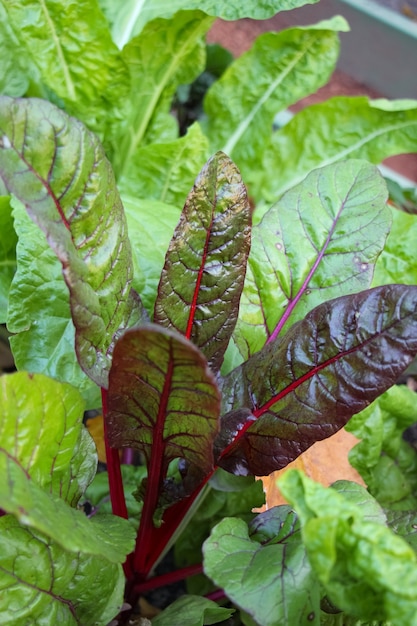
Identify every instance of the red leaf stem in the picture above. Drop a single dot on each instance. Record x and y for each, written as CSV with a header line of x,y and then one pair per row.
x,y
168,579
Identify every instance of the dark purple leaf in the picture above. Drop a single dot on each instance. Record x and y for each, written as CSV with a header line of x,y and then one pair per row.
x,y
204,271
304,387
163,401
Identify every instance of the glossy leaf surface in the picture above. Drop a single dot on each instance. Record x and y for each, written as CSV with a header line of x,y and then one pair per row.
x,y
320,241
162,401
304,387
340,128
204,270
358,562
279,69
39,315
41,426
8,240
47,585
154,79
128,19
58,170
271,581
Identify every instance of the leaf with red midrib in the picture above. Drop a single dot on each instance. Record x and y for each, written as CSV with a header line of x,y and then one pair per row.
x,y
202,279
304,387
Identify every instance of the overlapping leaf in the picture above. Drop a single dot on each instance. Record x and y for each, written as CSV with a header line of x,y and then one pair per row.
x,y
305,386
129,18
8,240
166,171
340,128
41,427
58,170
280,69
269,578
39,314
41,583
162,401
320,241
366,570
68,47
153,81
192,611
205,265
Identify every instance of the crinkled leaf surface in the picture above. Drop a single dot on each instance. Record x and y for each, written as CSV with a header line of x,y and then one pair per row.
x,y
320,241
41,583
397,263
47,460
304,387
279,69
204,271
192,611
272,582
129,18
334,130
367,570
404,523
162,400
68,47
109,537
8,240
39,314
386,462
58,170
166,171
154,79
41,428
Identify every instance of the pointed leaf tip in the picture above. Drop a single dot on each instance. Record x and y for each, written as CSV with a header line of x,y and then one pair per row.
x,y
202,279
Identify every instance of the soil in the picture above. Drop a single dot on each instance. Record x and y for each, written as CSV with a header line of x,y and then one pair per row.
x,y
238,37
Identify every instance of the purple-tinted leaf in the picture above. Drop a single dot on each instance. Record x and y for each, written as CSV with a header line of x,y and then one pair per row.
x,y
163,401
304,387
58,170
204,271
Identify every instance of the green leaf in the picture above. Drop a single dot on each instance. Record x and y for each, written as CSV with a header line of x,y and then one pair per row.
x,y
359,495
320,241
303,387
192,611
166,171
404,523
41,427
43,584
204,271
366,570
274,584
128,19
13,78
109,537
58,170
8,240
154,79
340,128
80,66
39,313
397,263
386,462
151,225
280,69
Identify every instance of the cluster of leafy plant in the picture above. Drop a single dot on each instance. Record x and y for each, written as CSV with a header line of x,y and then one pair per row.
x,y
253,336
